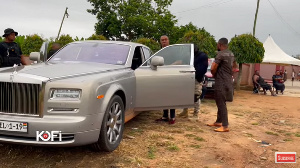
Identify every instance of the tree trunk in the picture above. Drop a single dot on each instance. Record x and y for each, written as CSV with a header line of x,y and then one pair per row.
x,y
239,79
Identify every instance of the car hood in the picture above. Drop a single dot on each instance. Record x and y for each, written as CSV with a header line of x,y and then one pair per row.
x,y
57,70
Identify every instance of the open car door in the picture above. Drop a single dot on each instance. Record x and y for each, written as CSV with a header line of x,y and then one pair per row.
x,y
40,56
171,85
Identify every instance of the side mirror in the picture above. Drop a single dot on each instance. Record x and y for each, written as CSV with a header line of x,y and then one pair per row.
x,y
40,56
35,56
44,51
156,61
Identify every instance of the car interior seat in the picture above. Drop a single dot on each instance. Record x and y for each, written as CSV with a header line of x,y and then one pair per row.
x,y
137,59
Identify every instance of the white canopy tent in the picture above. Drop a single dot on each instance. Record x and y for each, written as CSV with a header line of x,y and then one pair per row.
x,y
274,54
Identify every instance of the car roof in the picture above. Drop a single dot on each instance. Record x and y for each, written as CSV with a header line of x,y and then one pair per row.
x,y
133,44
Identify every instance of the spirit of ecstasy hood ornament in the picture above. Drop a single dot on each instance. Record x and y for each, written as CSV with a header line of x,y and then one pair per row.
x,y
15,68
13,74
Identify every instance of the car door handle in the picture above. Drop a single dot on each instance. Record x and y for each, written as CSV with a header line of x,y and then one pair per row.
x,y
191,71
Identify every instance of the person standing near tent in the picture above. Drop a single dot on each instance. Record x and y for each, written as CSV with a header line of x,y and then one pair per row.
x,y
285,75
293,75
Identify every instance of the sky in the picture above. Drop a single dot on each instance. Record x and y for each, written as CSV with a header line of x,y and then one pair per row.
x,y
222,18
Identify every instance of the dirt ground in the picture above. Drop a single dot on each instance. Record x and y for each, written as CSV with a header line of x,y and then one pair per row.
x,y
274,120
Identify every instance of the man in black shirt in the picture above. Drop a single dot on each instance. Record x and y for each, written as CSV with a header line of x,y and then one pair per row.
x,y
10,52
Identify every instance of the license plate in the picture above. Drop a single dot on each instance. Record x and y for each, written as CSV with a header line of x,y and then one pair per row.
x,y
13,126
209,84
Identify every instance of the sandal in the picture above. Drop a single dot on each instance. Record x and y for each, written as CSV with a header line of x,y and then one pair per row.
x,y
222,129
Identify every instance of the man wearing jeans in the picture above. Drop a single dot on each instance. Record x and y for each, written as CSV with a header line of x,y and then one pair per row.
x,y
200,64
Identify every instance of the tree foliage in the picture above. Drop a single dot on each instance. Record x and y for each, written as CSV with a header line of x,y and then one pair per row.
x,y
152,44
179,31
204,40
96,37
64,40
132,18
77,39
20,40
247,49
32,43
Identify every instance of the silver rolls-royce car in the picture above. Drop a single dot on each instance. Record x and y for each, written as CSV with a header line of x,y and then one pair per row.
x,y
87,90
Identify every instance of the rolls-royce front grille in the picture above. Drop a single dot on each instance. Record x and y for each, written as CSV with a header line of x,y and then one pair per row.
x,y
19,98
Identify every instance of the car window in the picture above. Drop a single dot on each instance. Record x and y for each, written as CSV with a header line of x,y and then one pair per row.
x,y
176,54
147,54
107,53
138,58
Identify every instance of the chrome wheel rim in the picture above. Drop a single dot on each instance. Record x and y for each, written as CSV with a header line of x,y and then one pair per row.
x,y
114,123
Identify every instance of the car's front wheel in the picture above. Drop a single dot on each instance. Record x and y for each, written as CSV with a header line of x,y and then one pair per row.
x,y
112,126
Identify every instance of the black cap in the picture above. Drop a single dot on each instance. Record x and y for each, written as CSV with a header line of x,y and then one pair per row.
x,y
8,31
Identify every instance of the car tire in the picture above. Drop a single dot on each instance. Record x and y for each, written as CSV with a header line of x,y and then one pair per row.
x,y
112,126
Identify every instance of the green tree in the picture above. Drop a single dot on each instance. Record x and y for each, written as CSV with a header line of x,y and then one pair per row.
x,y
20,40
64,39
131,19
1,39
179,31
96,37
152,44
204,40
246,49
32,43
77,39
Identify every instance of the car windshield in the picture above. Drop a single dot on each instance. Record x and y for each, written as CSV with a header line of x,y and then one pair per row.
x,y
107,53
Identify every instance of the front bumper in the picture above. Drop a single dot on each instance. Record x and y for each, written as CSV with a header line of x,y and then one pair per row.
x,y
76,130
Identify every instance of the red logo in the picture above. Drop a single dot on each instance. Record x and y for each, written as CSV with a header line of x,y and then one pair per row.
x,y
45,136
285,157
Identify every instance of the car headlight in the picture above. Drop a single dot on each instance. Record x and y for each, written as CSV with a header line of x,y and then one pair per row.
x,y
65,94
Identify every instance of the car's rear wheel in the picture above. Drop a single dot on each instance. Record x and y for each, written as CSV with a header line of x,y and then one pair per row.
x,y
112,126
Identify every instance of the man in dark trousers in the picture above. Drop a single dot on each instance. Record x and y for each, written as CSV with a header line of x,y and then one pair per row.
x,y
164,42
222,70
10,52
200,64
